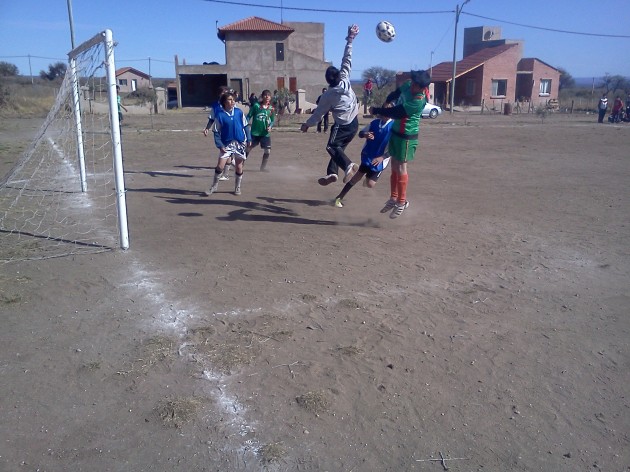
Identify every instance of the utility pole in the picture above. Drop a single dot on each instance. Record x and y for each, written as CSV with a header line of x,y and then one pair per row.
x,y
458,10
71,23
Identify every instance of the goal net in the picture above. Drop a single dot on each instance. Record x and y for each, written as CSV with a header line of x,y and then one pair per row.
x,y
66,194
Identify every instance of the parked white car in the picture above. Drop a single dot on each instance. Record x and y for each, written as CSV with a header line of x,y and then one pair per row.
x,y
431,111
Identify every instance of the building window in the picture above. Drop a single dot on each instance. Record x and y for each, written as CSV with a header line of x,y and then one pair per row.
x,y
470,87
499,87
122,82
279,52
545,87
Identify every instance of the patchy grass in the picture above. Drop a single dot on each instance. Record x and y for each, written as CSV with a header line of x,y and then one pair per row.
x,y
314,402
272,452
178,411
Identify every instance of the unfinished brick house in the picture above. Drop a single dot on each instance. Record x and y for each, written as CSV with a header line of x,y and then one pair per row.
x,y
259,54
493,72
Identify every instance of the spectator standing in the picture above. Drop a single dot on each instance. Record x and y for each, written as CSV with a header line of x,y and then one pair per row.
x,y
324,118
602,106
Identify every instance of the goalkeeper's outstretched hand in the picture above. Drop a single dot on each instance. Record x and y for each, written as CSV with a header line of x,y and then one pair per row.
x,y
352,32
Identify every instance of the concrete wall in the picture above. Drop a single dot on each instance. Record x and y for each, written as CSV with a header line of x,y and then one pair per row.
x,y
90,105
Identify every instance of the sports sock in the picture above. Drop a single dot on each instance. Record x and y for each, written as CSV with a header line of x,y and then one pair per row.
x,y
403,179
393,183
345,190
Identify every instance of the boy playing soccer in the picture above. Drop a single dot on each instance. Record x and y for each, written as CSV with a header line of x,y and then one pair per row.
x,y
410,99
262,115
374,157
214,109
232,137
341,101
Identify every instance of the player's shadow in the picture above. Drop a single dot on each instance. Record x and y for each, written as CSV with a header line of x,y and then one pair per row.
x,y
156,173
256,212
312,203
168,191
197,167
247,205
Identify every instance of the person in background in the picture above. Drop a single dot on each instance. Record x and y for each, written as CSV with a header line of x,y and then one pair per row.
x,y
615,113
121,107
263,116
602,106
324,119
252,99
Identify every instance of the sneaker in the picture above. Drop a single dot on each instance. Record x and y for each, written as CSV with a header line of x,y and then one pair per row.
x,y
212,189
398,210
329,179
224,177
389,204
338,203
237,191
350,171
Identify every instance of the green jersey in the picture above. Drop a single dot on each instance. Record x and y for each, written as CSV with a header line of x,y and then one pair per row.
x,y
413,105
262,117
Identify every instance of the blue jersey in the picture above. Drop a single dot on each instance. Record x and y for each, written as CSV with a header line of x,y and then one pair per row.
x,y
376,147
230,126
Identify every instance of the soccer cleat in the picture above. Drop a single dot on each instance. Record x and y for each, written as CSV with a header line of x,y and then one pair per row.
x,y
338,203
350,171
389,204
398,210
212,189
237,191
224,177
329,179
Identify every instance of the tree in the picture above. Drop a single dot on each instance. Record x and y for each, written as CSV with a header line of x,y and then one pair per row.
x,y
8,70
55,71
380,76
566,79
612,83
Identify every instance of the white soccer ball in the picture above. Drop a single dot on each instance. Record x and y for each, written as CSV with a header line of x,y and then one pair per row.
x,y
385,31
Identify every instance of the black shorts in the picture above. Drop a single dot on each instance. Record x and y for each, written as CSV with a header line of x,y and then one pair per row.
x,y
370,174
264,141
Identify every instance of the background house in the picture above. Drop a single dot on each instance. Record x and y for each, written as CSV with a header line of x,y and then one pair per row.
x,y
493,71
260,54
130,79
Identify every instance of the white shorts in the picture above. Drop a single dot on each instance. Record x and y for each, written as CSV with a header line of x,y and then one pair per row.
x,y
236,150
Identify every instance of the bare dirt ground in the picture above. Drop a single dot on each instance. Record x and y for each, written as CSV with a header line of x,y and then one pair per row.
x,y
271,331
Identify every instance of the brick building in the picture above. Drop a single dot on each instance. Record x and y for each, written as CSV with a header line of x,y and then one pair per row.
x,y
493,71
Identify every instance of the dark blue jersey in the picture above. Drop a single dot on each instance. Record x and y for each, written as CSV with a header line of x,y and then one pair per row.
x,y
376,147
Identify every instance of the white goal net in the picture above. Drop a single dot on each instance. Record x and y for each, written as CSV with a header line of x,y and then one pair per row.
x,y
66,194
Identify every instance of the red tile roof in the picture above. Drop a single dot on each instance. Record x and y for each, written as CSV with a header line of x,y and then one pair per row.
x,y
443,72
254,24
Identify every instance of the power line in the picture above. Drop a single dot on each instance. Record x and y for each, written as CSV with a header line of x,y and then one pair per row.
x,y
323,10
554,30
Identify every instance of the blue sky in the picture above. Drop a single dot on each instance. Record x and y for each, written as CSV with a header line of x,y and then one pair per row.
x,y
160,29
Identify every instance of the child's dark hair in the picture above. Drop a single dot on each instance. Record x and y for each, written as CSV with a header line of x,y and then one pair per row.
x,y
265,92
224,98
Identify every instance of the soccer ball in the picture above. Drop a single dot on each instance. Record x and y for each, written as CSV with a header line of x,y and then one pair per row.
x,y
385,31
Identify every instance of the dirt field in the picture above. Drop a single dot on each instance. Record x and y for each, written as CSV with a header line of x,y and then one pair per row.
x,y
488,324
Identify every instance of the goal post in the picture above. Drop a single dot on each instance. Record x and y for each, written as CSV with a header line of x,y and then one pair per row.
x,y
66,194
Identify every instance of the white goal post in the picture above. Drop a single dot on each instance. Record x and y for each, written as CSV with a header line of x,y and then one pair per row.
x,y
66,193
